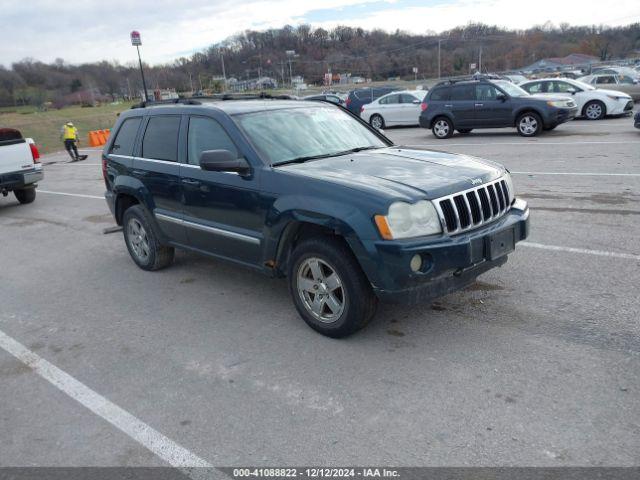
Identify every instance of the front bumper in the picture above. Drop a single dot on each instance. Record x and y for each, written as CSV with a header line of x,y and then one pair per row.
x,y
449,263
17,180
562,115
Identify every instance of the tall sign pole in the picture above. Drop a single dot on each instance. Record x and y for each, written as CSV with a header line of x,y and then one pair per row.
x,y
136,41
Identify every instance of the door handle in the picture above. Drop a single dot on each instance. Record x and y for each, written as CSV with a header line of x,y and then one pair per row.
x,y
139,173
479,104
190,182
448,106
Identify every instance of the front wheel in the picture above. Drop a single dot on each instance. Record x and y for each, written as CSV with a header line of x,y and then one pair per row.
x,y
529,124
442,128
328,287
142,240
594,110
377,121
25,195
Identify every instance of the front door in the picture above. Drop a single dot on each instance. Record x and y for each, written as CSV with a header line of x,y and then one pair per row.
x,y
223,213
490,110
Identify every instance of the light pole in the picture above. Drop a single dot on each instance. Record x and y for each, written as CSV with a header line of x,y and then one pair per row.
x,y
290,55
136,41
439,42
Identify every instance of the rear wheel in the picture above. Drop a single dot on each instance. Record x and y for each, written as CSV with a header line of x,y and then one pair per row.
x,y
328,287
594,110
529,124
25,195
142,240
442,128
377,121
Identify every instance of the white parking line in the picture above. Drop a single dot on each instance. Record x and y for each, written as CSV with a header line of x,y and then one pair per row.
x,y
584,174
165,448
524,143
81,195
600,253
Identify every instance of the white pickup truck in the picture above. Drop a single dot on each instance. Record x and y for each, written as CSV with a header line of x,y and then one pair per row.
x,y
20,167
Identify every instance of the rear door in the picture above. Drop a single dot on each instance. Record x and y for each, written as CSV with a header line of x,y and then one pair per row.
x,y
223,212
462,105
158,169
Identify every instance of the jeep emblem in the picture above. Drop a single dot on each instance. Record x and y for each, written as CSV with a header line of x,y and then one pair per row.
x,y
476,181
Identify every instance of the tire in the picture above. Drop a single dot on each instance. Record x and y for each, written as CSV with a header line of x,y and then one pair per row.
x,y
442,128
347,302
529,124
376,121
25,195
594,110
464,131
142,242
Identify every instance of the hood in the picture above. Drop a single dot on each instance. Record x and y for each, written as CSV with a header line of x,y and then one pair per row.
x,y
401,172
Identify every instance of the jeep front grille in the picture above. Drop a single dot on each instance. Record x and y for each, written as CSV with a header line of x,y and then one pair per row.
x,y
472,208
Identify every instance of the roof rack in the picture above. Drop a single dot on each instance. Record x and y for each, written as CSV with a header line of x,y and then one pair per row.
x,y
150,103
219,96
470,78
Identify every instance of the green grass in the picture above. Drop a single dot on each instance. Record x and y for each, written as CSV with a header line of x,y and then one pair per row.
x,y
44,127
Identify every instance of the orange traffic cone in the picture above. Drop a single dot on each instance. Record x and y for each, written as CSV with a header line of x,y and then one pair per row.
x,y
101,137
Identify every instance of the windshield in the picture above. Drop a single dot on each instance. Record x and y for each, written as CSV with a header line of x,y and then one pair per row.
x,y
511,89
286,135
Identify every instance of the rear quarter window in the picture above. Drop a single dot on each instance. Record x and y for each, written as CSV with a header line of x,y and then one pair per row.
x,y
439,94
126,137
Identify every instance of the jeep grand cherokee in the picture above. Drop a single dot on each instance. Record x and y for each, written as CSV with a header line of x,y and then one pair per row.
x,y
309,192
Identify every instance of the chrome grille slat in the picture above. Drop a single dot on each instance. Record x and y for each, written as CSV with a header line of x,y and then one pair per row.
x,y
469,209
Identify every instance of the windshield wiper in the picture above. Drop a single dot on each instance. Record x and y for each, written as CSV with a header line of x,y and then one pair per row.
x,y
324,155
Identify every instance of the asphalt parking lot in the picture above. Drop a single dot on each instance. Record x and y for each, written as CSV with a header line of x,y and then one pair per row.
x,y
537,364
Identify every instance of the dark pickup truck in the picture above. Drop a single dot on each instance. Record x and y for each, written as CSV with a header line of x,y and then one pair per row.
x,y
309,192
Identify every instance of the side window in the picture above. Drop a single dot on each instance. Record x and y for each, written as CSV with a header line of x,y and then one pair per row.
x,y
533,87
463,92
407,98
625,80
160,140
486,92
126,136
560,87
608,80
391,99
440,94
207,134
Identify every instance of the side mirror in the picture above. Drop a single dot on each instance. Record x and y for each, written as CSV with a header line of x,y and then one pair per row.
x,y
416,102
501,96
223,161
572,91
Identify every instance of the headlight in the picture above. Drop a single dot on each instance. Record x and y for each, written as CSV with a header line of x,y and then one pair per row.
x,y
559,103
509,181
618,97
406,220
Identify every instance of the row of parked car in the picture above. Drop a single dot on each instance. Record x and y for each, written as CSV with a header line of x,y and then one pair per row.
x,y
490,102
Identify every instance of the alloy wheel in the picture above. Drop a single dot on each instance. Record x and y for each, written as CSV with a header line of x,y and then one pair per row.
x,y
528,125
321,290
441,128
376,122
593,111
138,239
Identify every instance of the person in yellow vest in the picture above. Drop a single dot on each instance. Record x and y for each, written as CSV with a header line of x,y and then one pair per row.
x,y
70,137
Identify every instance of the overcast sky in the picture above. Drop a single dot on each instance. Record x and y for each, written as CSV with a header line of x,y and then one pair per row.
x,y
88,30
